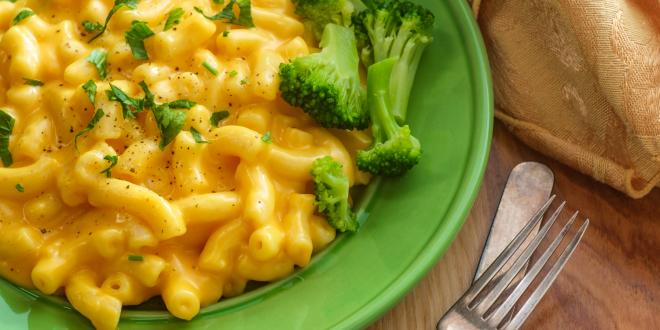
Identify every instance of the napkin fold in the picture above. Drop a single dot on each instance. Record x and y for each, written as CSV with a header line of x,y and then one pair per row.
x,y
579,80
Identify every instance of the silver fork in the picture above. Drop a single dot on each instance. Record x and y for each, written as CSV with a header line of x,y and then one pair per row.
x,y
469,312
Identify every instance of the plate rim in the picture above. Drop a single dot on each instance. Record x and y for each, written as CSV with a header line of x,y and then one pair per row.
x,y
463,200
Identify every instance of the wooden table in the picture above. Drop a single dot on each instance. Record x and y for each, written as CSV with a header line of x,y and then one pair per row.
x,y
611,282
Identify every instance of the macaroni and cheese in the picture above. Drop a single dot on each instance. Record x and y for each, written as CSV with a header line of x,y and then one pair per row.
x,y
147,152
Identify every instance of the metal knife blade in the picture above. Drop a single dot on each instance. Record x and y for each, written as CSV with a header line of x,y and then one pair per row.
x,y
528,187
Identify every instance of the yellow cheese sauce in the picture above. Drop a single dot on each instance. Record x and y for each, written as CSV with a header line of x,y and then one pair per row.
x,y
193,221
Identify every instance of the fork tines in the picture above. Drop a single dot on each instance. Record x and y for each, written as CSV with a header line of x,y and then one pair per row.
x,y
473,307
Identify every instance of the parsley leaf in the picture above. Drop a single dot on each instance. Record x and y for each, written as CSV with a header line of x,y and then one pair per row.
x,y
173,18
20,187
211,69
225,33
245,13
149,98
267,137
170,123
33,82
90,88
218,116
131,4
98,114
6,127
129,105
23,14
135,257
224,14
92,26
197,136
244,81
98,57
113,161
181,104
232,73
244,17
135,39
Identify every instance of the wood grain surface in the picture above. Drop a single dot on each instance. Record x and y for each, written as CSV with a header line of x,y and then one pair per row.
x,y
611,282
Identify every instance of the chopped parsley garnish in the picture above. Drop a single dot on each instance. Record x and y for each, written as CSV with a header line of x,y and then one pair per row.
x,y
6,127
135,39
232,73
180,104
267,137
227,13
218,116
23,14
149,98
20,188
135,257
245,13
90,89
131,4
170,123
225,33
173,18
33,82
98,114
244,81
197,136
168,119
113,161
210,68
98,57
129,105
92,26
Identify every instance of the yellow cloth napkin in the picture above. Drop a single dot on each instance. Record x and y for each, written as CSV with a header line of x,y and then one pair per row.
x,y
579,80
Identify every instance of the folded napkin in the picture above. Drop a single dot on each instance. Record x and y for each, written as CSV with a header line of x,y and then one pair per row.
x,y
579,80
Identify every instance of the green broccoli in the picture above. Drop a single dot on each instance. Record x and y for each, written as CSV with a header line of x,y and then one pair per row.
x,y
318,13
395,150
394,28
326,85
331,190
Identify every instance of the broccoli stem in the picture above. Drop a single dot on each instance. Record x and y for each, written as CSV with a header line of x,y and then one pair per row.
x,y
334,48
395,150
379,79
404,78
395,28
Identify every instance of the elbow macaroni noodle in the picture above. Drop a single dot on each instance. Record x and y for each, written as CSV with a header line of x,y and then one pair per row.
x,y
193,222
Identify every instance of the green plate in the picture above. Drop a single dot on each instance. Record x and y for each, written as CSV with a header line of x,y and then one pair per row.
x,y
410,221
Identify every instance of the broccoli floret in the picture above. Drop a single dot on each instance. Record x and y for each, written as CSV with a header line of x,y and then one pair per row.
x,y
326,85
394,28
318,13
395,150
331,190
